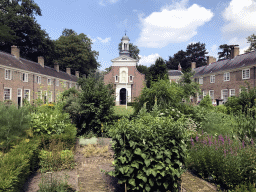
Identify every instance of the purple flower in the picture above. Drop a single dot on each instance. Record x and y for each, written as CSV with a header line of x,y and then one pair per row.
x,y
231,150
221,139
228,141
240,147
210,141
197,138
252,141
243,144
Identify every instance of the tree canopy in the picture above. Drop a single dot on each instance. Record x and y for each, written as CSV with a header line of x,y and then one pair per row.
x,y
225,52
74,50
133,49
19,27
252,40
195,52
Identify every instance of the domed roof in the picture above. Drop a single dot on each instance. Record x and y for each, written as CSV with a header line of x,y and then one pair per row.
x,y
125,38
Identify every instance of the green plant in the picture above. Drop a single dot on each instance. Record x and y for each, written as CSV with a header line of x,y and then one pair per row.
x,y
245,188
49,183
83,141
206,102
149,152
13,125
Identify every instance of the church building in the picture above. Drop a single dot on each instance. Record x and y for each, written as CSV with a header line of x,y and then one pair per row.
x,y
128,81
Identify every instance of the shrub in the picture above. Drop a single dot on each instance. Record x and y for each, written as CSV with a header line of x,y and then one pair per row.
x,y
16,165
206,102
149,152
13,125
92,140
228,161
95,103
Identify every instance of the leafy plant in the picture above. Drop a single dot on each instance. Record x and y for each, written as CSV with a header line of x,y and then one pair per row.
x,y
83,141
206,102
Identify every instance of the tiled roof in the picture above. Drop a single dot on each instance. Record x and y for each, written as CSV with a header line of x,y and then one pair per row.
x,y
243,60
174,73
23,64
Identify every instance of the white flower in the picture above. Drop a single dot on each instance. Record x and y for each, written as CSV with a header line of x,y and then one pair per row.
x,y
172,109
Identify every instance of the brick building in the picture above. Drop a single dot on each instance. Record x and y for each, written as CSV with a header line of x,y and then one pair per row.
x,y
175,75
23,79
223,79
127,80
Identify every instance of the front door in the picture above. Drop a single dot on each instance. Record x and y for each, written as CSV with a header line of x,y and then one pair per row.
x,y
123,96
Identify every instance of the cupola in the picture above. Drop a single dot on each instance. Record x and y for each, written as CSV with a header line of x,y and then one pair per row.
x,y
125,46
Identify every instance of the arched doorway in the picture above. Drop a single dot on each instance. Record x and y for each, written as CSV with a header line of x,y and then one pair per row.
x,y
123,93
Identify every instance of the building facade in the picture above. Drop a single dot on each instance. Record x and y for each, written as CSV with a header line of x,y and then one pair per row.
x,y
127,80
223,79
175,75
21,79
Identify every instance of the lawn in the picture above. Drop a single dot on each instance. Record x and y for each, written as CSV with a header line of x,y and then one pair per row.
x,y
121,110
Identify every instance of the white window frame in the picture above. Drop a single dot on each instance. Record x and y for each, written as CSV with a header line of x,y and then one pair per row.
x,y
49,96
10,93
38,79
131,78
204,94
211,96
201,80
212,79
28,94
244,74
25,77
40,96
226,76
230,92
57,82
49,81
222,96
69,85
65,84
116,78
8,74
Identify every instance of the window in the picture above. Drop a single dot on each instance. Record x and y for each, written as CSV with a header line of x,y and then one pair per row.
x,y
8,74
212,79
232,92
226,76
246,74
116,79
27,94
211,94
130,77
49,81
38,79
224,95
39,95
204,93
7,93
69,85
64,84
50,96
201,80
25,77
57,82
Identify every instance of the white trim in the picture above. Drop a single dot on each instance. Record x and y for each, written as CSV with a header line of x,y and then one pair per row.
x,y
202,80
204,94
10,93
41,94
49,96
212,79
20,96
28,94
226,76
49,81
245,73
25,77
222,96
132,78
116,78
230,94
210,94
38,79
8,76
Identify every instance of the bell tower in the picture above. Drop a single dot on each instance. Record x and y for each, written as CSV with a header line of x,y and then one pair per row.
x,y
125,46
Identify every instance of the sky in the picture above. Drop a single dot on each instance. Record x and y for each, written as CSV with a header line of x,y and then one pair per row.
x,y
160,28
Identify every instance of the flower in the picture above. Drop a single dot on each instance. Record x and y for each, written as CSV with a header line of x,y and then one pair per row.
x,y
243,144
252,141
197,138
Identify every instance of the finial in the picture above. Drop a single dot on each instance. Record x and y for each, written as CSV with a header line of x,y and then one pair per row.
x,y
125,31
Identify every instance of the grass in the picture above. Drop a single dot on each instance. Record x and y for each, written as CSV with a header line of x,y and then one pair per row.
x,y
122,111
94,150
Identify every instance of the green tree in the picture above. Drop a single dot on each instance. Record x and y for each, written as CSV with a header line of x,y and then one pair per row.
x,y
196,53
178,58
190,88
74,51
206,102
92,106
252,40
18,27
167,95
133,49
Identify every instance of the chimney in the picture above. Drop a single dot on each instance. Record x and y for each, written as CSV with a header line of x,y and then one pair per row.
x,y
210,59
193,65
15,51
57,67
179,67
77,74
41,61
68,71
234,51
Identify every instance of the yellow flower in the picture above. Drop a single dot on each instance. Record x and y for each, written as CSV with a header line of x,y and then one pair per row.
x,y
27,140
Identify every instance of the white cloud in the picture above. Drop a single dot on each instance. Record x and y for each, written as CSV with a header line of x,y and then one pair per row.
x,y
213,51
106,40
174,24
240,22
102,2
148,60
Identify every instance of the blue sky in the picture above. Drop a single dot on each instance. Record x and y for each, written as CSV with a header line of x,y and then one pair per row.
x,y
160,28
